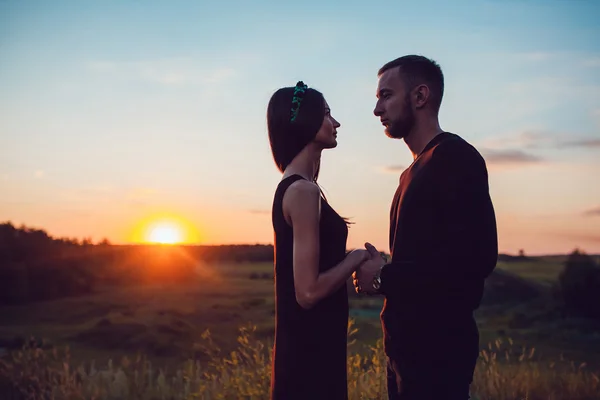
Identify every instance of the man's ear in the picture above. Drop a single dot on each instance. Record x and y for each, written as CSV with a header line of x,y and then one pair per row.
x,y
421,96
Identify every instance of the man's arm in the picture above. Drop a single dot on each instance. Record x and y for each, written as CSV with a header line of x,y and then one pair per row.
x,y
467,223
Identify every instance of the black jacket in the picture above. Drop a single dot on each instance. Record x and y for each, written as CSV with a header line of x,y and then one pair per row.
x,y
443,244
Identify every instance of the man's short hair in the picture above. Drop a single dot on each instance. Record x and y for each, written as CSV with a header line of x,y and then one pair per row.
x,y
417,70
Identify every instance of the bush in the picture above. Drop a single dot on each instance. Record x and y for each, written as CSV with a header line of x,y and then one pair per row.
x,y
580,285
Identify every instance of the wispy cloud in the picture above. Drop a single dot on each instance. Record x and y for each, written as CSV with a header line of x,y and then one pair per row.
x,y
539,56
140,197
391,169
592,212
596,116
522,140
519,149
259,212
172,72
585,60
581,237
549,91
509,157
545,87
134,197
592,62
88,193
102,66
585,143
539,139
219,75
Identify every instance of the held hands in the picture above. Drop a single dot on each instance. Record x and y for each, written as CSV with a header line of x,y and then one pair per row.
x,y
357,257
363,277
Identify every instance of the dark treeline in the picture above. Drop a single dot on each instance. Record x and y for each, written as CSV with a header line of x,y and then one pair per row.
x,y
35,266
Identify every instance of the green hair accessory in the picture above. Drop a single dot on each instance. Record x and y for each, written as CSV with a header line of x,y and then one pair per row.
x,y
299,91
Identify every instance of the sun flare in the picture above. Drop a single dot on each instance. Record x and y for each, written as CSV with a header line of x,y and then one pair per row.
x,y
165,229
164,233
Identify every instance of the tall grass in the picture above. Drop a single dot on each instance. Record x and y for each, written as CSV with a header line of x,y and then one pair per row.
x,y
503,372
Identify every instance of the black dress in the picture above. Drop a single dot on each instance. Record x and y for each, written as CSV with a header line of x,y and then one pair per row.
x,y
309,356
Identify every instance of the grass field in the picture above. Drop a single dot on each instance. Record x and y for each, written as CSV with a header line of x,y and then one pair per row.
x,y
167,323
538,322
162,321
541,270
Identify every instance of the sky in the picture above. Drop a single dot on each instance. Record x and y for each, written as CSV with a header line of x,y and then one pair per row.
x,y
115,114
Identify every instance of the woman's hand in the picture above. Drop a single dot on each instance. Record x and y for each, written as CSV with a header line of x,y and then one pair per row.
x,y
357,257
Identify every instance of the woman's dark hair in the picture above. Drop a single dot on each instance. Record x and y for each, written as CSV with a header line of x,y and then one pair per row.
x,y
287,137
289,133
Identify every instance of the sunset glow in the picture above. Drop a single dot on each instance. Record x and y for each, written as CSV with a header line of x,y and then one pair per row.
x,y
181,115
164,234
165,230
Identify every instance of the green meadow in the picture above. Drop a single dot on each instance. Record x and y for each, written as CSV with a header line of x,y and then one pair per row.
x,y
211,337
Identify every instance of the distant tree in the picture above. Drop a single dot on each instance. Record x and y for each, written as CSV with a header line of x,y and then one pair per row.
x,y
521,253
580,285
35,266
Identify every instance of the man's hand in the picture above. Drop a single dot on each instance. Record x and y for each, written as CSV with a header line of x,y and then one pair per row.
x,y
363,276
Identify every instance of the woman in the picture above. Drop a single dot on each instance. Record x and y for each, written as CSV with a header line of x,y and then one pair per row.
x,y
311,265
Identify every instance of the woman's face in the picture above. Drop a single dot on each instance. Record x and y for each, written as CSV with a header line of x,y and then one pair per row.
x,y
326,137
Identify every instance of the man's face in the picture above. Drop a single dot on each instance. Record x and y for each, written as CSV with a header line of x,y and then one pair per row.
x,y
394,107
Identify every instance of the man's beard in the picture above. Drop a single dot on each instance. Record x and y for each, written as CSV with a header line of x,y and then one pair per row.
x,y
401,127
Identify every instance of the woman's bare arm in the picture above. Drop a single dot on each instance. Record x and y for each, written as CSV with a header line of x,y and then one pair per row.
x,y
302,208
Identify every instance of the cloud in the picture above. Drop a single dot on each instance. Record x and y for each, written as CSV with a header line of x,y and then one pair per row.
x,y
539,139
102,66
548,85
592,62
134,197
392,169
523,140
219,75
140,197
539,56
586,143
595,114
88,193
520,148
259,212
592,212
585,60
550,91
586,238
170,72
509,157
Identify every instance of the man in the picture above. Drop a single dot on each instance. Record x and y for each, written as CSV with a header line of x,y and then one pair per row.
x,y
443,242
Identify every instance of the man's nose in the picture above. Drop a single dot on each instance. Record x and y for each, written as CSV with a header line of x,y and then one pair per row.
x,y
377,111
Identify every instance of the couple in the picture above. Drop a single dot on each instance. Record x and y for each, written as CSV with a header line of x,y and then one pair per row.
x,y
443,244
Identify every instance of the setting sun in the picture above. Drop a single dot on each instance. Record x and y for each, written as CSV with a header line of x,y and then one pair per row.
x,y
164,233
165,229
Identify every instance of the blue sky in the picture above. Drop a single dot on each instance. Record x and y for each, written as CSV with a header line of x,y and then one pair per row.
x,y
113,112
